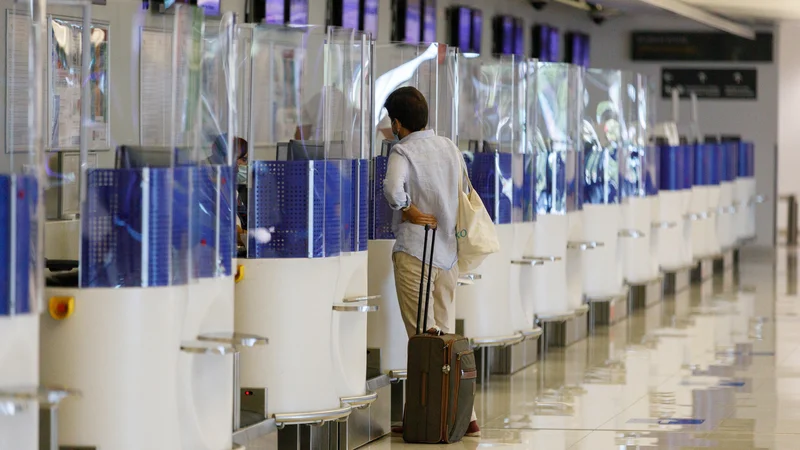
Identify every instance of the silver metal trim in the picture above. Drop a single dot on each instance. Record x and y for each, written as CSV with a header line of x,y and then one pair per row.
x,y
558,317
532,333
630,233
584,245
605,299
207,348
527,262
543,258
365,298
398,374
581,310
758,199
313,417
44,395
726,210
655,280
663,225
497,341
360,401
248,434
235,339
472,276
356,308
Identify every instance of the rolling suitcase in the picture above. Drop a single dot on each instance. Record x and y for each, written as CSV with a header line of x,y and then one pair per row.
x,y
442,376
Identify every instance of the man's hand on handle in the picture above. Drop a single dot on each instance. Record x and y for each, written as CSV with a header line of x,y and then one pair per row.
x,y
417,217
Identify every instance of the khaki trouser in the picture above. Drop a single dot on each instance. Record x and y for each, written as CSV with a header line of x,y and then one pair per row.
x,y
442,311
442,314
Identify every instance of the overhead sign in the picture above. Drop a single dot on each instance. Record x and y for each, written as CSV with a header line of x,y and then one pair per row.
x,y
717,47
718,84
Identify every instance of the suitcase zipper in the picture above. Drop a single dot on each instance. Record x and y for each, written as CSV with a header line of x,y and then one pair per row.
x,y
445,396
458,384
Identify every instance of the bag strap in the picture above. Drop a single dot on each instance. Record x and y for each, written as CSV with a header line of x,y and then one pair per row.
x,y
463,169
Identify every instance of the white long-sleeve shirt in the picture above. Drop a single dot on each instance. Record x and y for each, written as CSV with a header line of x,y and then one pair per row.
x,y
423,169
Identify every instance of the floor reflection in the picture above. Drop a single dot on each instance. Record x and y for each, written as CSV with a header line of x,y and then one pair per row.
x,y
717,366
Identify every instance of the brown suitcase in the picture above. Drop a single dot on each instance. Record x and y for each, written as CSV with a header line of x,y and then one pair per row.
x,y
442,376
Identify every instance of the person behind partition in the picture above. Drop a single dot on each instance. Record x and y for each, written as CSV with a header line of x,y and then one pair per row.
x,y
219,156
421,184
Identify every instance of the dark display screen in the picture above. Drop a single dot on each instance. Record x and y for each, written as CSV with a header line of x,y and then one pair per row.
x,y
413,21
429,21
503,38
540,39
555,48
350,14
210,7
519,37
585,51
298,12
275,12
370,17
477,31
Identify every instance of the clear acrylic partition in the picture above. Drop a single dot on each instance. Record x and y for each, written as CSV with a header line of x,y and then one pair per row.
x,y
396,66
348,77
556,137
297,144
22,179
633,155
136,208
491,133
603,133
214,160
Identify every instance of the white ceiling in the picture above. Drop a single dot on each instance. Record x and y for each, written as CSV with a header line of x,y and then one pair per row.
x,y
759,10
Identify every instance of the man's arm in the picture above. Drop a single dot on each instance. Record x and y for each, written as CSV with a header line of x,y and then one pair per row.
x,y
394,185
394,189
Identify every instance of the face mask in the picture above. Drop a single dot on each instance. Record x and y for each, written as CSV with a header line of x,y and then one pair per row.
x,y
241,175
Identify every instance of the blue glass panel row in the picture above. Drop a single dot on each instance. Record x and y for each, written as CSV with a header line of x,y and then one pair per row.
x,y
601,176
18,225
559,182
491,178
309,209
380,214
136,226
746,165
639,172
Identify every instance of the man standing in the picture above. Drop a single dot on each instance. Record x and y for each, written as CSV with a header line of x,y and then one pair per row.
x,y
422,182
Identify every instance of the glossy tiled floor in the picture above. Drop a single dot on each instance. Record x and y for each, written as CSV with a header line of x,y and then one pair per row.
x,y
715,367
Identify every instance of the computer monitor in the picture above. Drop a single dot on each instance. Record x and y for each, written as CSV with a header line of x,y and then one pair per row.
x,y
136,157
309,151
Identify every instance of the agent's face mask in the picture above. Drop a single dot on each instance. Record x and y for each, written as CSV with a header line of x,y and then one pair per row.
x,y
241,175
394,133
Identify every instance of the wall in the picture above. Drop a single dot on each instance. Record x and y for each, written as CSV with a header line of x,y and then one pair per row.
x,y
755,120
788,113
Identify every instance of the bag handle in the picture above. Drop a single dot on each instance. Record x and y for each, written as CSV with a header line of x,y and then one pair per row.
x,y
420,313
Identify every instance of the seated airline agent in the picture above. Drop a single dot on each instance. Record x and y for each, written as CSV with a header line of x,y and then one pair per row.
x,y
422,182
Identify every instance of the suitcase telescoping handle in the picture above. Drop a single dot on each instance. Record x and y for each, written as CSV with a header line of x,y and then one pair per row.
x,y
423,316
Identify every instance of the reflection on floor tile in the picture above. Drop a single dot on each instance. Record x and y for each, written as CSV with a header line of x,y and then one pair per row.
x,y
714,367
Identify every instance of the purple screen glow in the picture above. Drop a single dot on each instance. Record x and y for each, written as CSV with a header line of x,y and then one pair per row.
x,y
519,37
413,22
541,43
429,21
553,42
274,12
585,47
477,31
371,17
350,14
210,7
507,36
298,12
464,31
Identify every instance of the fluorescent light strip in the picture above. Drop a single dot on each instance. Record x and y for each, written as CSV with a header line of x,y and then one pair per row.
x,y
700,15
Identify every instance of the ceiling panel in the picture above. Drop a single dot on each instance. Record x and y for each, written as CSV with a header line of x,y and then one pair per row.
x,y
752,9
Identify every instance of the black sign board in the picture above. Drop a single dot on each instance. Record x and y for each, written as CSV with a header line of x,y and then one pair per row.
x,y
681,46
721,84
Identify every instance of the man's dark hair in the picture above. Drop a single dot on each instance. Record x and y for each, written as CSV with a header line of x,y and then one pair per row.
x,y
409,106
